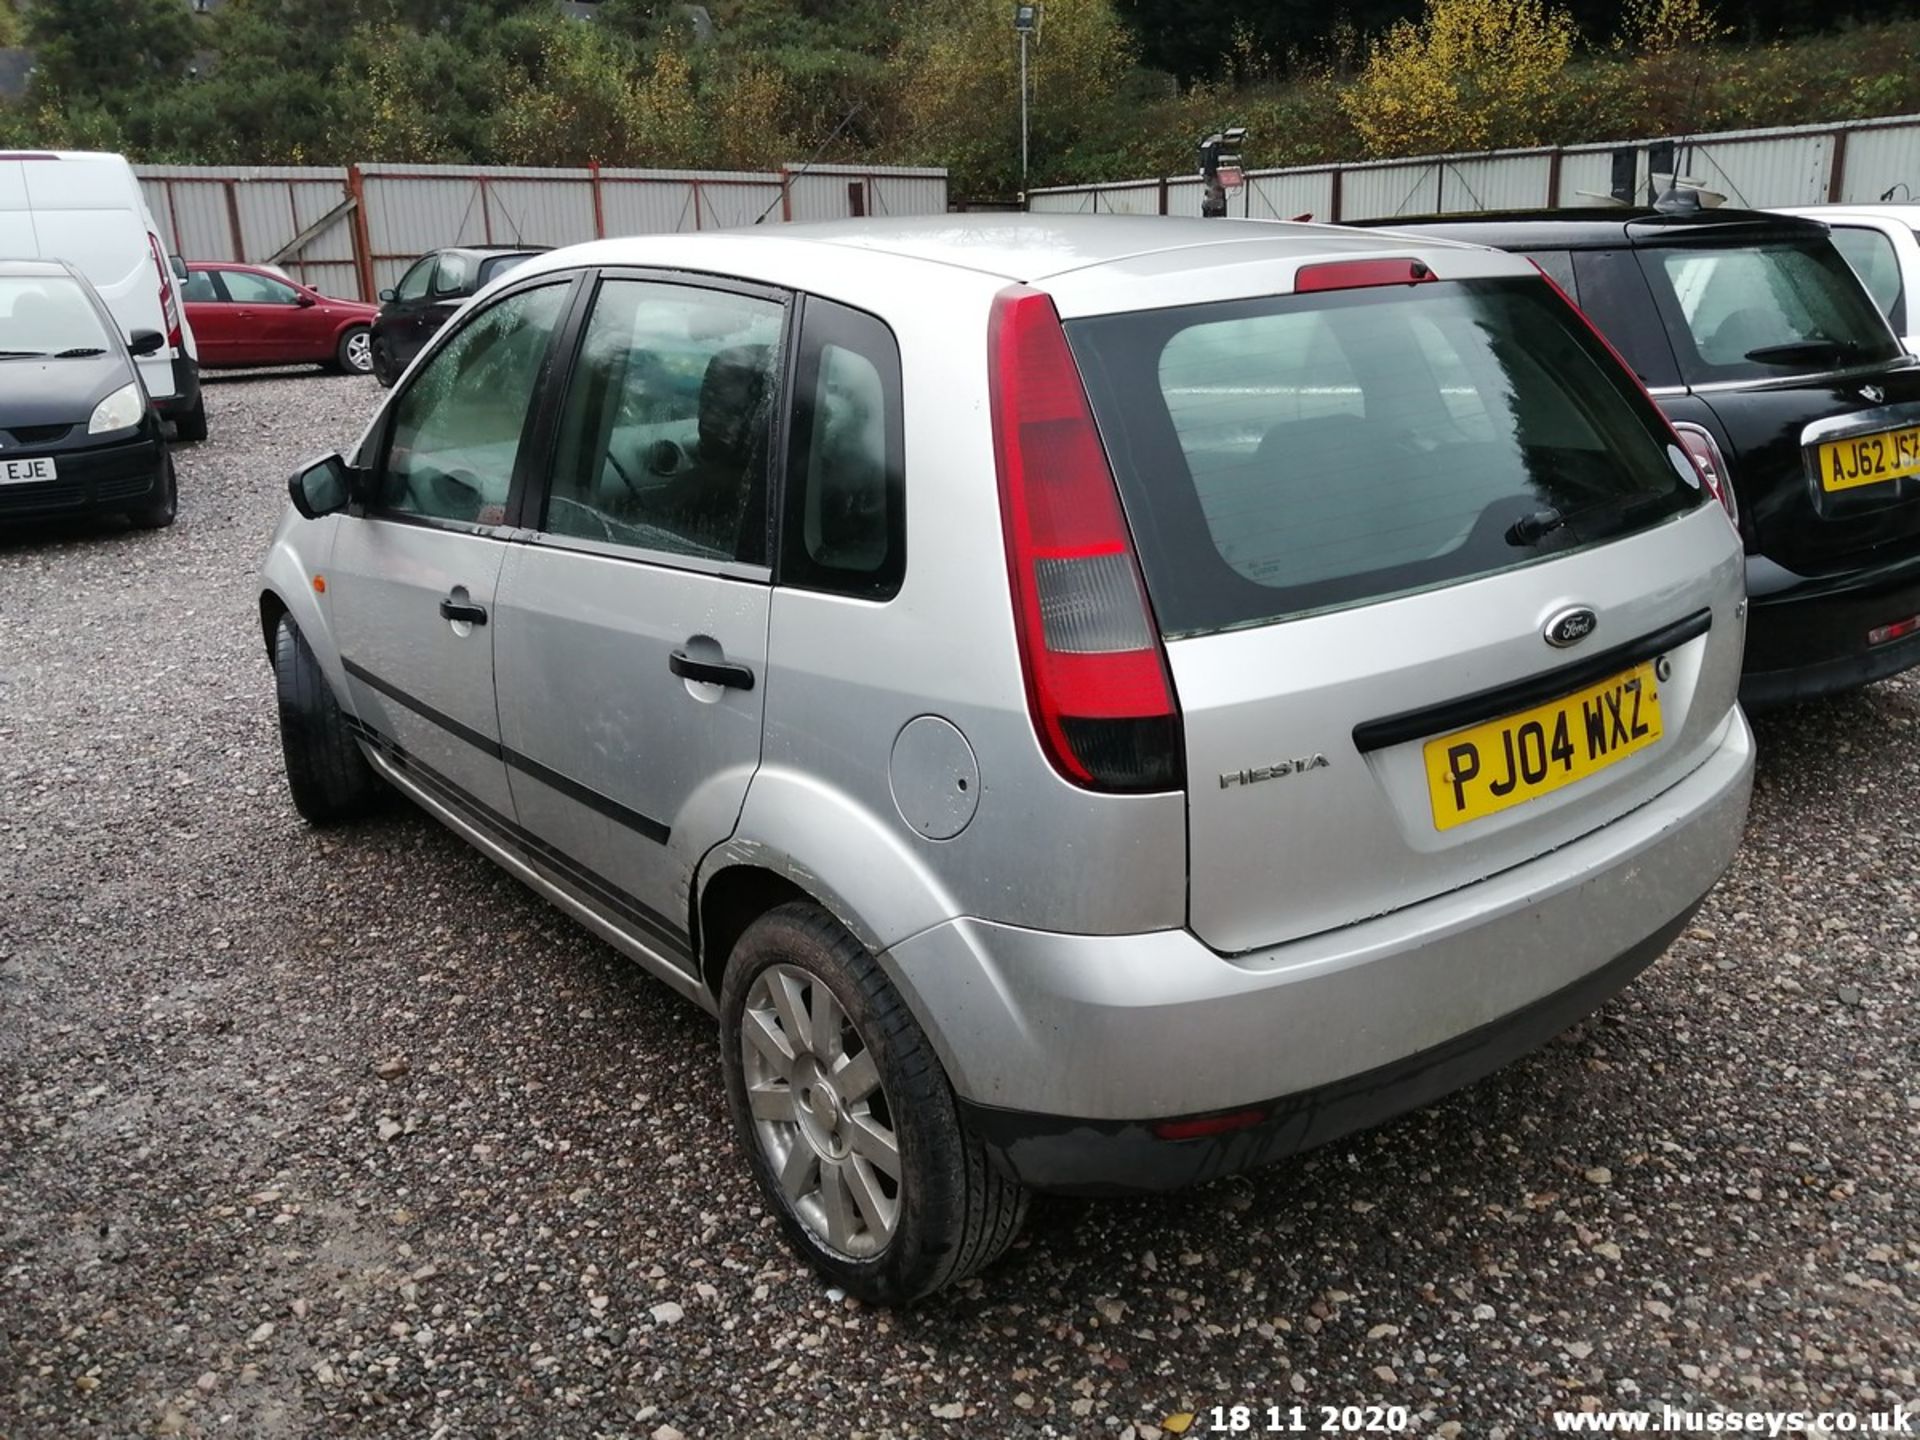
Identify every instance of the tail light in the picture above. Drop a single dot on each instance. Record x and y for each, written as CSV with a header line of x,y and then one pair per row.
x,y
1704,451
1698,443
169,305
1097,683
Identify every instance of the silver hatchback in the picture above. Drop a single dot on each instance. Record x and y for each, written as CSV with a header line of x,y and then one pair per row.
x,y
1089,703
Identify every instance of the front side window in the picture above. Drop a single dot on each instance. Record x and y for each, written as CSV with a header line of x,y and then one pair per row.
x,y
455,431
1871,254
198,287
1290,454
665,430
413,284
246,288
1752,312
845,525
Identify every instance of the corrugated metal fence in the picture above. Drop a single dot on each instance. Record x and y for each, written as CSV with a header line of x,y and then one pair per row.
x,y
1798,165
354,230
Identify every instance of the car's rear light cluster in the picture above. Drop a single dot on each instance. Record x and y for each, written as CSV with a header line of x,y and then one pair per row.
x,y
169,303
1697,442
1704,451
1899,630
1097,684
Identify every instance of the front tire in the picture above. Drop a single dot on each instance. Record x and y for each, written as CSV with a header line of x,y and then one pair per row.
x,y
159,512
191,428
847,1117
380,360
329,777
354,354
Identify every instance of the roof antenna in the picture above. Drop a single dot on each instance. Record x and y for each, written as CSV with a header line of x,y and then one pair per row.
x,y
858,106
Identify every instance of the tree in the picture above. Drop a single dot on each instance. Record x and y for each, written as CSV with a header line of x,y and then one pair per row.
x,y
107,47
1471,75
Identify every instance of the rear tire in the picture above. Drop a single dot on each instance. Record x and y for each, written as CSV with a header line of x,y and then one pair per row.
x,y
330,779
832,1118
159,512
191,428
354,354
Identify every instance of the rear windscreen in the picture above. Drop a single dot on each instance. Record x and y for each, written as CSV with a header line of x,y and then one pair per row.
x,y
1755,312
1296,453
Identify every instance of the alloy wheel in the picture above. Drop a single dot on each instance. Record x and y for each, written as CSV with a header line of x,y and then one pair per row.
x,y
820,1113
360,352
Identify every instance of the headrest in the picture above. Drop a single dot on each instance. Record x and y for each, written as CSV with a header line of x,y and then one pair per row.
x,y
730,398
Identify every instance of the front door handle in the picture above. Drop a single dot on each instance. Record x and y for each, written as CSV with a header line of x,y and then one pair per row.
x,y
451,609
710,672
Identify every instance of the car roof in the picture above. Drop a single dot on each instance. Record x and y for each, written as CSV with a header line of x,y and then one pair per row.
x,y
488,251
41,269
1597,225
1906,214
1025,247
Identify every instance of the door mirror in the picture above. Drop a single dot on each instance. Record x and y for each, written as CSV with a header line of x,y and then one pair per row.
x,y
387,296
145,342
305,301
323,487
179,266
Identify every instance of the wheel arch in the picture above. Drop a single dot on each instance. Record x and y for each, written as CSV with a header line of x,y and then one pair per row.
x,y
856,868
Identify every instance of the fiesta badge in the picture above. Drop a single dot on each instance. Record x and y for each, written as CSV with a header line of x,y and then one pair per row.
x,y
1570,627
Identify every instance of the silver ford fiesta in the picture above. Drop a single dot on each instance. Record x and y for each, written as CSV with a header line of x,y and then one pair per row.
x,y
1090,703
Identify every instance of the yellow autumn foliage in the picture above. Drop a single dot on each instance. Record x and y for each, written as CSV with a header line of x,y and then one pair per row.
x,y
1466,72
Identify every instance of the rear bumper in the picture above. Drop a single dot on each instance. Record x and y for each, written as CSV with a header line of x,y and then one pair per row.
x,y
186,389
1810,639
1064,1050
108,477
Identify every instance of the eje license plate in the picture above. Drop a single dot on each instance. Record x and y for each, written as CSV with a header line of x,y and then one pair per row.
x,y
1506,762
18,472
1869,459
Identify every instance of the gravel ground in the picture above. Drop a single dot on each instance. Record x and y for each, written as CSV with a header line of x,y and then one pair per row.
x,y
305,1135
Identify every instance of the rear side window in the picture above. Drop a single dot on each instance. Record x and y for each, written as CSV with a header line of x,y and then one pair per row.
x,y
493,269
1871,254
1298,453
845,524
455,275
1751,312
664,437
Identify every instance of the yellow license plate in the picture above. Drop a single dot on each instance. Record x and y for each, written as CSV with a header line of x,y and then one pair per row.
x,y
1869,459
1506,762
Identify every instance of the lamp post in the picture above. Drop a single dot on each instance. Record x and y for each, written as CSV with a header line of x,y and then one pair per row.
x,y
1026,24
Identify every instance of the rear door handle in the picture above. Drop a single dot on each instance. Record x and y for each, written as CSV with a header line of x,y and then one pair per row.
x,y
451,609
710,672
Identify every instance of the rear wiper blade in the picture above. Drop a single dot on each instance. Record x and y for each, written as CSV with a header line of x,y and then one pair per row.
x,y
1792,352
1533,528
79,352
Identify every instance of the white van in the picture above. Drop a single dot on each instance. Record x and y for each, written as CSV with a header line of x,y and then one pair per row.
x,y
86,208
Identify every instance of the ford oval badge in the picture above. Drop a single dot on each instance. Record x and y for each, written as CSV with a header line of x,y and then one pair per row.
x,y
1570,627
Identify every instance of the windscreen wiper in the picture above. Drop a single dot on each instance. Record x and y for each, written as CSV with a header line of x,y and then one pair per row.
x,y
79,352
21,354
1793,352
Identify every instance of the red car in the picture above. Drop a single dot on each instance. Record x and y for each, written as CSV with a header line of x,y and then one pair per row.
x,y
250,315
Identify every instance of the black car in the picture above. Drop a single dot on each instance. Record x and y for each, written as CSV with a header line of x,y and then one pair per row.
x,y
78,431
1782,376
433,288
